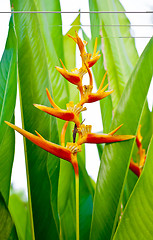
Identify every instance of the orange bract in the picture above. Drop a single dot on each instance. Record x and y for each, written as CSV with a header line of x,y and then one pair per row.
x,y
137,167
53,148
89,137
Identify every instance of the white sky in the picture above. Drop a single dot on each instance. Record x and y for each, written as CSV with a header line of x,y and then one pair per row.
x,y
19,174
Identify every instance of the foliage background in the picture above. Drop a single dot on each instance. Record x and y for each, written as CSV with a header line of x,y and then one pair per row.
x,y
38,73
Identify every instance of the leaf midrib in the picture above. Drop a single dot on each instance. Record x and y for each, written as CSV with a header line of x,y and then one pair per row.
x,y
6,87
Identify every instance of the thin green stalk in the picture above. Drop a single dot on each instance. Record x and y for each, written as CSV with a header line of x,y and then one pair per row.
x,y
77,204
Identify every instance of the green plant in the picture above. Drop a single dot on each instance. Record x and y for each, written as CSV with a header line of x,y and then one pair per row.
x,y
105,207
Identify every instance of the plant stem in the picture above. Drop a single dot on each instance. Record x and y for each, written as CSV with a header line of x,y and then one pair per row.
x,y
77,204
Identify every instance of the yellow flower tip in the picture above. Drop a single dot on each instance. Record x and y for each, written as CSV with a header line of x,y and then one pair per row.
x,y
93,60
84,129
72,37
38,134
102,82
95,47
80,43
9,124
51,100
58,69
73,147
116,129
38,106
76,109
139,137
62,64
85,42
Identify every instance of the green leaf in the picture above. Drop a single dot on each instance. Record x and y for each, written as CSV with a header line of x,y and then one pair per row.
x,y
137,219
129,185
8,85
116,157
146,123
7,227
37,60
20,214
120,55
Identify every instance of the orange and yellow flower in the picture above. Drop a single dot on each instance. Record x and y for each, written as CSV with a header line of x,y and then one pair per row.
x,y
89,97
137,167
75,76
67,153
71,114
86,136
50,147
87,58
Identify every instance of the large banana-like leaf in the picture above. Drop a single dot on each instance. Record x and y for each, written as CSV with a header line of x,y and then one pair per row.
x,y
137,220
146,126
116,157
7,229
114,26
146,132
20,214
37,59
120,54
8,84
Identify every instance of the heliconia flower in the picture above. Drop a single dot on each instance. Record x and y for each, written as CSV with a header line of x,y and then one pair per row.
x,y
89,137
71,114
67,153
87,58
94,57
137,167
81,44
74,77
141,151
89,97
53,148
139,137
